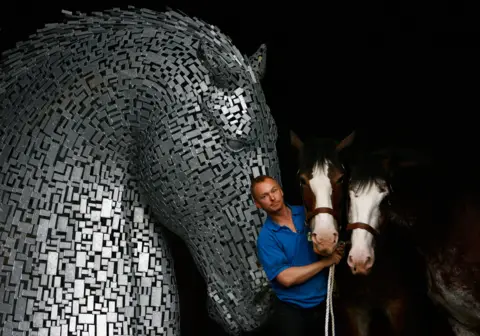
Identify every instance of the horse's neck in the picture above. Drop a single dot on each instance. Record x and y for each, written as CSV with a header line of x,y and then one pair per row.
x,y
390,267
441,220
412,208
392,242
462,219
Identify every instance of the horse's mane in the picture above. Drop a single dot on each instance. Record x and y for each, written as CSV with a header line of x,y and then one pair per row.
x,y
317,152
80,27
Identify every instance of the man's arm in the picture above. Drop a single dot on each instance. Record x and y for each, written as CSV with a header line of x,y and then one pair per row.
x,y
296,275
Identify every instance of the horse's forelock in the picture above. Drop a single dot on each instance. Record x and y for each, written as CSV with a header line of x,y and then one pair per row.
x,y
319,154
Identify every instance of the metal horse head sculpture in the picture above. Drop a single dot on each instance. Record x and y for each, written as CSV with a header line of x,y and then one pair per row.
x,y
111,124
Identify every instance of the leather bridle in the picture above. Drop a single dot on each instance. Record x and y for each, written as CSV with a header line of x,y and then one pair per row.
x,y
320,210
364,226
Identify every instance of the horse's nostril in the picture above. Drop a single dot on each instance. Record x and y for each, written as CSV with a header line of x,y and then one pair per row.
x,y
369,262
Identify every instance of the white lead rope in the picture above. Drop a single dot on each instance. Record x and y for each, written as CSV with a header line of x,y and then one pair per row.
x,y
329,310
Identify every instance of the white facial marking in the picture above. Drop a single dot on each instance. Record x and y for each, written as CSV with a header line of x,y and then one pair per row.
x,y
323,223
364,208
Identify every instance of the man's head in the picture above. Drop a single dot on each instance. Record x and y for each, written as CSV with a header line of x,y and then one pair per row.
x,y
267,193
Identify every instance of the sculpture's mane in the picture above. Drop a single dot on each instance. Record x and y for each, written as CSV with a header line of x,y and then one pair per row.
x,y
78,27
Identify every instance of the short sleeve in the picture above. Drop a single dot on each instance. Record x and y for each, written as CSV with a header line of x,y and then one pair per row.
x,y
271,256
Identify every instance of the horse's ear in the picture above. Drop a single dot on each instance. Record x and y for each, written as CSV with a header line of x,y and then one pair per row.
x,y
346,142
408,157
398,158
295,141
386,163
258,61
411,163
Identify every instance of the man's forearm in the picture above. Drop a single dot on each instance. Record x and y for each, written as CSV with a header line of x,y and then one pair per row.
x,y
296,275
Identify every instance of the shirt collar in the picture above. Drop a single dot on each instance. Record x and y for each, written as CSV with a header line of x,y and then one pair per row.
x,y
296,211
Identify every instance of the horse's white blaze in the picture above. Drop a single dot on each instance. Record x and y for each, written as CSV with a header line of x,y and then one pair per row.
x,y
364,208
323,224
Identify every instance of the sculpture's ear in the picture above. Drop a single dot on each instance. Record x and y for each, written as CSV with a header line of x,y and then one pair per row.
x,y
258,61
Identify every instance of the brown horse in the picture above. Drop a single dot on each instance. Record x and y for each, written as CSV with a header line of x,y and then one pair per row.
x,y
321,174
442,214
382,271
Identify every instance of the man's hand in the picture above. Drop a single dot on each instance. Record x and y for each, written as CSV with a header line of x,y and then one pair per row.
x,y
336,255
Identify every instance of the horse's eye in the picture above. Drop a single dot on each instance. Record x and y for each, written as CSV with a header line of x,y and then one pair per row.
x,y
303,180
386,201
383,188
339,180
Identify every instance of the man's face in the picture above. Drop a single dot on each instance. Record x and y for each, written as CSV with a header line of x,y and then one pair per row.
x,y
268,195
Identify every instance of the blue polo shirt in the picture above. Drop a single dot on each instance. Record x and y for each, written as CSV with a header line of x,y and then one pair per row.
x,y
280,248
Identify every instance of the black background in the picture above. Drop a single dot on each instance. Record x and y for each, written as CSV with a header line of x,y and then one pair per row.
x,y
396,71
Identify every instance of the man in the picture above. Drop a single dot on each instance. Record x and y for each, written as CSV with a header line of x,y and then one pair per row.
x,y
298,276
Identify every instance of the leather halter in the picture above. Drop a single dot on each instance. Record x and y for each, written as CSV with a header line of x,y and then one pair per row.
x,y
360,225
320,210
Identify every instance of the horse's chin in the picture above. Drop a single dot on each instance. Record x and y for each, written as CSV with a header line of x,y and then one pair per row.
x,y
360,273
324,252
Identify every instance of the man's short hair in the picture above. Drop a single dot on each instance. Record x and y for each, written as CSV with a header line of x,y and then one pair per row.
x,y
259,179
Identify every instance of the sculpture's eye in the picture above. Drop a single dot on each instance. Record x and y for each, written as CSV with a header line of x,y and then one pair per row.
x,y
235,145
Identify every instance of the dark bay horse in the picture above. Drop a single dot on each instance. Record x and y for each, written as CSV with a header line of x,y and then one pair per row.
x,y
441,212
321,175
381,272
